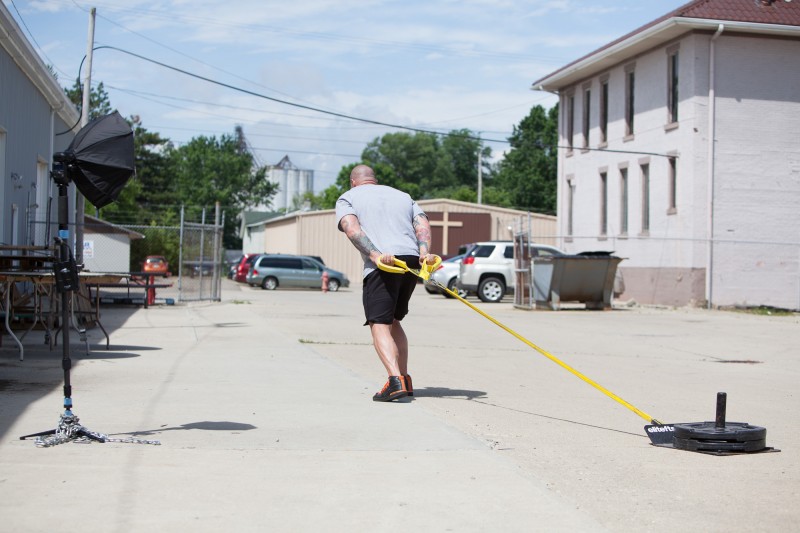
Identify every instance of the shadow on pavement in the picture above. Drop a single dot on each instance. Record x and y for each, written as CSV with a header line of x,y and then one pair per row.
x,y
205,426
444,392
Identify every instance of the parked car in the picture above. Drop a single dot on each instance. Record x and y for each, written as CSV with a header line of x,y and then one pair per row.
x,y
233,267
156,265
270,271
232,258
447,276
243,267
197,268
488,268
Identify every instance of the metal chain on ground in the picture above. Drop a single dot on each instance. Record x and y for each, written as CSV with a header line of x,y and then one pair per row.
x,y
69,429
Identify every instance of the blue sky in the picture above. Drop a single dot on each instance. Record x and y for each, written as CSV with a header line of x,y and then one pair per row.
x,y
431,64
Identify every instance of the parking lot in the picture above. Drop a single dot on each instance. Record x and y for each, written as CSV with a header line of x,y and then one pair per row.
x,y
262,404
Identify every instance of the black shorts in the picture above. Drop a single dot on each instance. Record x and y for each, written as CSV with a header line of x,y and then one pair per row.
x,y
386,295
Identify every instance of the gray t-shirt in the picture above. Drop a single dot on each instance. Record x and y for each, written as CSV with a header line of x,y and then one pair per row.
x,y
385,215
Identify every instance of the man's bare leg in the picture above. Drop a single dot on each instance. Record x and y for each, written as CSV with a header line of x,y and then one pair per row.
x,y
385,345
401,341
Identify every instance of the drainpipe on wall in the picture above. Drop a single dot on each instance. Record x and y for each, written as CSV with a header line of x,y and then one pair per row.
x,y
49,194
711,153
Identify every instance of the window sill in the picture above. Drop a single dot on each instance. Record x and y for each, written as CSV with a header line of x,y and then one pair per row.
x,y
672,211
671,126
602,238
567,239
645,233
585,149
603,144
622,236
628,138
569,153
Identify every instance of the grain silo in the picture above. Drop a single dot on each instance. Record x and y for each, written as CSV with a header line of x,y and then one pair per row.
x,y
292,182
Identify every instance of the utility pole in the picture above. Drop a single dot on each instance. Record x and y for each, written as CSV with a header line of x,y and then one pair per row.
x,y
480,169
80,201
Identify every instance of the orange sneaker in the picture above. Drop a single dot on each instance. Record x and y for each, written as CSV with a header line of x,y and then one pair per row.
x,y
392,390
409,386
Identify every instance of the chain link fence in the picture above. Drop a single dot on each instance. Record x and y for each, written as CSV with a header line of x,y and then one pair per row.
x,y
193,262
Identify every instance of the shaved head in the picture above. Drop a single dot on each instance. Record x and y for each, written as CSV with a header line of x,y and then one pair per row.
x,y
362,174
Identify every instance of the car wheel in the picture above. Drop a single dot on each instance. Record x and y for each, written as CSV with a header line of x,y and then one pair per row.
x,y
269,283
491,290
333,285
452,286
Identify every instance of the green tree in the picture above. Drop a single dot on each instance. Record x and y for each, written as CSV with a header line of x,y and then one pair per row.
x,y
209,169
99,103
412,158
427,165
458,161
142,200
529,170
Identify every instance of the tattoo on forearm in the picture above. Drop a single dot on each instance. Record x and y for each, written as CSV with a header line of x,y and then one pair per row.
x,y
353,230
363,244
422,230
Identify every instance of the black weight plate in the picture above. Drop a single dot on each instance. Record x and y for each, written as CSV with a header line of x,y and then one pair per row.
x,y
718,446
733,431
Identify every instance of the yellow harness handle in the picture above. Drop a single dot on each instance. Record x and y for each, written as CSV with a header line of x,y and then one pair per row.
x,y
400,267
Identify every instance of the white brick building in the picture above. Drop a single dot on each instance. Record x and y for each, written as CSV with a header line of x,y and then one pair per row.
x,y
697,221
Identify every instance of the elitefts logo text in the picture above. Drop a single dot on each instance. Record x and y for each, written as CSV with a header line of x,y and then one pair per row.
x,y
660,429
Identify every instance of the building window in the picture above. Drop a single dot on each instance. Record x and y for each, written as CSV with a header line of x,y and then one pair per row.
x,y
623,201
645,168
672,86
587,115
603,112
630,86
672,208
603,204
570,118
570,205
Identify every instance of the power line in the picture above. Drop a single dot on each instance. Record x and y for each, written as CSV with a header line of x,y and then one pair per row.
x,y
285,102
352,117
153,97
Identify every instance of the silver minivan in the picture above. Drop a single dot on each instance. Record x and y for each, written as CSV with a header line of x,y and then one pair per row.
x,y
270,271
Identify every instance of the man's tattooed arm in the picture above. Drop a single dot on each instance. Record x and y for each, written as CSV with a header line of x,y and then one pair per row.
x,y
352,229
422,229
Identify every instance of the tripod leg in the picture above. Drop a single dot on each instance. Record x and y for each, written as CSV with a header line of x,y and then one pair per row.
x,y
40,434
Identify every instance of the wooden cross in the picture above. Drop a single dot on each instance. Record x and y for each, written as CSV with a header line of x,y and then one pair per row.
x,y
445,224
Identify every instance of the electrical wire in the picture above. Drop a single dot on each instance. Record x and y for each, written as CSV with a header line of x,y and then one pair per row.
x,y
278,100
352,117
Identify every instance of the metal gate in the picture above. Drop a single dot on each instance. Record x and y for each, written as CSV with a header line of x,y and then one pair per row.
x,y
523,265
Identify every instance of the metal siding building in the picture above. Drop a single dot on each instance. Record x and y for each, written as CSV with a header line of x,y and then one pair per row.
x,y
33,109
315,232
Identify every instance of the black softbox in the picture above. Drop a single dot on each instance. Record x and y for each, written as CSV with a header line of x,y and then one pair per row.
x,y
100,159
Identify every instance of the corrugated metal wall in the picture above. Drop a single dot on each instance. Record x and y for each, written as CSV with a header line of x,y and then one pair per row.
x,y
32,108
315,232
280,237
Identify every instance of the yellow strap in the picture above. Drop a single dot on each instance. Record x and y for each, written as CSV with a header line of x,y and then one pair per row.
x,y
557,361
401,267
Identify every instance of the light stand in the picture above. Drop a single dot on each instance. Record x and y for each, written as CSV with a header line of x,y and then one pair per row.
x,y
99,160
67,281
65,272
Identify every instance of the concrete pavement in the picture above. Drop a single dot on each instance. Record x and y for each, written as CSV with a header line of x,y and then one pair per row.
x,y
263,407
